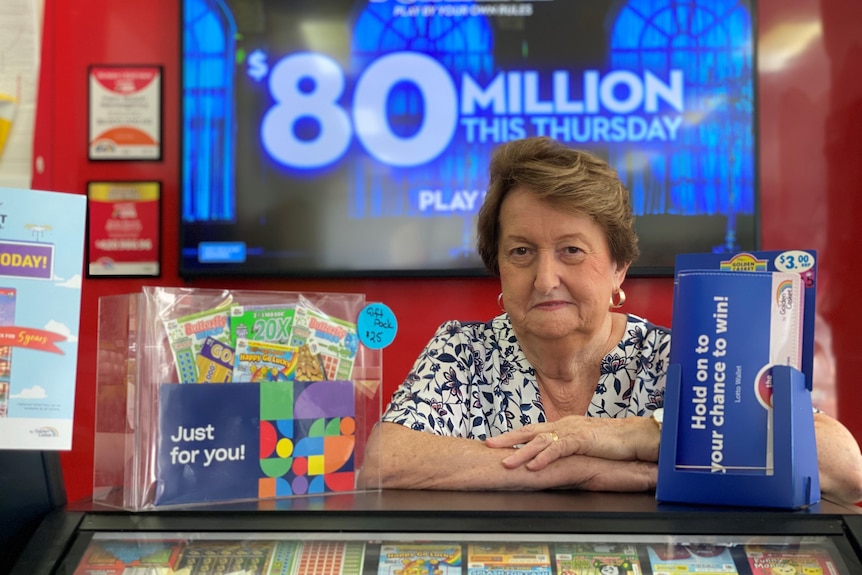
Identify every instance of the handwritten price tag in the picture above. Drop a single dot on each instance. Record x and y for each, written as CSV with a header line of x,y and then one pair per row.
x,y
377,326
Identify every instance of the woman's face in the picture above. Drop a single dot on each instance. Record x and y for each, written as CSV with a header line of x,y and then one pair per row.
x,y
555,268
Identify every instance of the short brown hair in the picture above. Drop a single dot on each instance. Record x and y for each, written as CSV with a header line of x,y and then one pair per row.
x,y
571,180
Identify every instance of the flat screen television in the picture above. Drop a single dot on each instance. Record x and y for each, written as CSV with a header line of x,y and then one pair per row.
x,y
352,137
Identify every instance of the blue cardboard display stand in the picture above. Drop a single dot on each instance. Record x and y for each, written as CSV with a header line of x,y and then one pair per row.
x,y
795,482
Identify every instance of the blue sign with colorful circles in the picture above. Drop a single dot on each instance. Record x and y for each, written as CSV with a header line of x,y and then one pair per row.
x,y
254,441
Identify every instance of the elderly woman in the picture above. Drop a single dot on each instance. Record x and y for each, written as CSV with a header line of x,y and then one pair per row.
x,y
557,390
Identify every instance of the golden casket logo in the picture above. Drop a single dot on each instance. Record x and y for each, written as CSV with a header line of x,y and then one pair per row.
x,y
45,431
743,262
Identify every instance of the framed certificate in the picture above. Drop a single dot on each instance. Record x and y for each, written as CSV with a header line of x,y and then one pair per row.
x,y
125,112
124,229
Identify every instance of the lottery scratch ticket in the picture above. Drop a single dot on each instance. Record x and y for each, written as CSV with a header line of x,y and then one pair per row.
x,y
420,559
215,362
334,340
261,323
508,559
596,558
188,334
257,361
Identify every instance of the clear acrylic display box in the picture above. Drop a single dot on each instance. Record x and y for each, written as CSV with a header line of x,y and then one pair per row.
x,y
207,395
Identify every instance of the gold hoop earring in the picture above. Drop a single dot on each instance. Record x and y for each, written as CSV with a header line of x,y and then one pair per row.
x,y
622,300
500,302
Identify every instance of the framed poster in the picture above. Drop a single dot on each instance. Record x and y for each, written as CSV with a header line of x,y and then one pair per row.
x,y
124,229
125,112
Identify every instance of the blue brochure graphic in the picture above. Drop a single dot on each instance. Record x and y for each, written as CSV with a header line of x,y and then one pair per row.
x,y
41,262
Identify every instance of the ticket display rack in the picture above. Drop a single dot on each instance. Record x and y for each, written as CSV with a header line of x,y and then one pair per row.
x,y
217,395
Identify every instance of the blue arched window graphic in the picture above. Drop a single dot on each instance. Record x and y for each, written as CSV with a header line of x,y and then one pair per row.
x,y
461,44
710,169
208,138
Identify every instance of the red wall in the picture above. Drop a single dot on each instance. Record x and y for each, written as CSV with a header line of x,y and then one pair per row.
x,y
810,101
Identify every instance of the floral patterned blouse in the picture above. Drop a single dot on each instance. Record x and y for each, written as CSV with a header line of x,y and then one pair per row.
x,y
472,380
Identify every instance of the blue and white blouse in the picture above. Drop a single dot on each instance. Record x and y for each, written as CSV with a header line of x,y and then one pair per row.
x,y
472,380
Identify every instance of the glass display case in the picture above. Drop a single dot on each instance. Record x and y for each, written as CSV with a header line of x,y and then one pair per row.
x,y
448,533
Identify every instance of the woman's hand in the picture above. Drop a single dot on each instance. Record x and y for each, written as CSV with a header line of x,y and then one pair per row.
x,y
397,457
626,439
